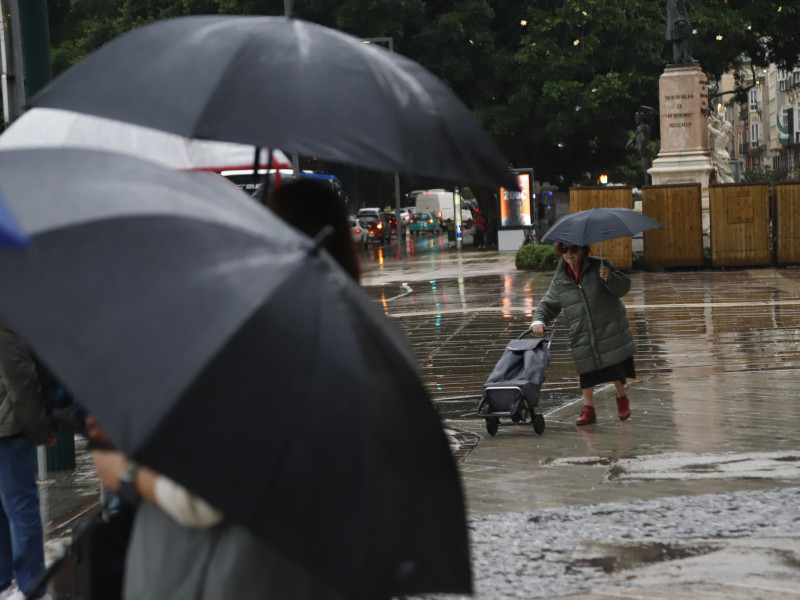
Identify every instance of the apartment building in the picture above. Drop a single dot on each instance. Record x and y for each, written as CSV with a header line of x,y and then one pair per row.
x,y
766,128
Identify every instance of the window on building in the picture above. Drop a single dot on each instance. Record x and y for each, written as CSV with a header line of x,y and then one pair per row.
x,y
754,99
796,116
754,135
776,162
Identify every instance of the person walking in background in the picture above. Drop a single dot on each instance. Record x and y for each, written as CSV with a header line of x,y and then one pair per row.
x,y
23,423
480,229
589,291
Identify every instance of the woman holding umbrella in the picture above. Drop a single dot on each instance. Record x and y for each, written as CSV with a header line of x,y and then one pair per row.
x,y
589,291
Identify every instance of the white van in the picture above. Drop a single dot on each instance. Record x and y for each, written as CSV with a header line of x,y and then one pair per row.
x,y
440,203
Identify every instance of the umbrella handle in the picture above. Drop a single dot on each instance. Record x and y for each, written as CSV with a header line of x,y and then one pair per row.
x,y
602,262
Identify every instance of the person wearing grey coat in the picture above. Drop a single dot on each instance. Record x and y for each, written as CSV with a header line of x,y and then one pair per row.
x,y
589,291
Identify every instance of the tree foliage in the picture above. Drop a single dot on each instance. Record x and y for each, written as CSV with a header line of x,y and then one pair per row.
x,y
555,82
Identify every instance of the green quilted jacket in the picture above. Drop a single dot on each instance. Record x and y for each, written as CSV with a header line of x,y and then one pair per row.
x,y
599,332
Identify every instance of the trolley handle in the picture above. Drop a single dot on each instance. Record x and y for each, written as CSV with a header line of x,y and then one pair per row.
x,y
550,331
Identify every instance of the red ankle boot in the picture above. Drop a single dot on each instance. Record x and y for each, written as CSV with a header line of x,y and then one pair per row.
x,y
588,416
623,408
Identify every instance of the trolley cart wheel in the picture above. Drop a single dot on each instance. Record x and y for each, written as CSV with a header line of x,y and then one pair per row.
x,y
492,425
538,423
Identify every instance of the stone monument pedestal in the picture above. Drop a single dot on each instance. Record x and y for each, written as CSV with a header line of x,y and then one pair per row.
x,y
684,156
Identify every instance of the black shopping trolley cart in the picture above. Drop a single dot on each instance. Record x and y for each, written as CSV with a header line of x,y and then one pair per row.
x,y
512,390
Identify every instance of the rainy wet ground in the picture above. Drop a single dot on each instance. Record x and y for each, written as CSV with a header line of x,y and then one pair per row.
x,y
707,464
696,496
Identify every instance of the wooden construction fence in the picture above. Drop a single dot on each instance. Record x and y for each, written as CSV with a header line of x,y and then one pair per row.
x,y
786,223
680,242
739,218
739,215
618,251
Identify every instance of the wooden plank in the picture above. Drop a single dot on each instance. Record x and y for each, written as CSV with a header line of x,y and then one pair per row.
x,y
619,251
680,242
787,223
739,216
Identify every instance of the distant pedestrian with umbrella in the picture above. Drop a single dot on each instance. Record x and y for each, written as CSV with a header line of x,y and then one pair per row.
x,y
589,291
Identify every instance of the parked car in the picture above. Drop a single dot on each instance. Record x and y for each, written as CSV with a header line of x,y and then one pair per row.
x,y
374,229
392,222
365,212
405,213
423,221
355,229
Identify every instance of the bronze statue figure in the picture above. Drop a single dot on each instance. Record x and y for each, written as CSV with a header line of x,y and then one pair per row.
x,y
679,31
641,138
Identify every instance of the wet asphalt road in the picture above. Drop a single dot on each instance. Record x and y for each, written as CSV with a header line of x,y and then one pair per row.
x,y
695,497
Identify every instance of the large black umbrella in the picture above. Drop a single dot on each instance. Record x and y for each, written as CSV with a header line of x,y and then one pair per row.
x,y
227,351
283,83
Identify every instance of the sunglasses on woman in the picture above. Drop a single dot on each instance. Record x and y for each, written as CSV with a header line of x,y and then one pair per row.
x,y
573,249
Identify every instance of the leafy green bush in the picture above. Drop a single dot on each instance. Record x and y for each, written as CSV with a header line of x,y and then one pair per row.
x,y
536,256
638,260
767,175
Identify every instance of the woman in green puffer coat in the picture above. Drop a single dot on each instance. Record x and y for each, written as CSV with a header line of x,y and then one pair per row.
x,y
589,291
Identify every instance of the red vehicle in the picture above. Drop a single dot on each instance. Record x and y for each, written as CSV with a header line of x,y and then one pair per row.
x,y
374,229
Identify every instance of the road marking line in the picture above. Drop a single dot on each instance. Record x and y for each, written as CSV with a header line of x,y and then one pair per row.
x,y
406,293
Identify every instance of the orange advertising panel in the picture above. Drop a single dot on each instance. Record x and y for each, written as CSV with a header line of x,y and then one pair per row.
x,y
515,206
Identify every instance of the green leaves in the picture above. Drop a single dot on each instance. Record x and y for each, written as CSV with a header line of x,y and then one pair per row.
x,y
556,82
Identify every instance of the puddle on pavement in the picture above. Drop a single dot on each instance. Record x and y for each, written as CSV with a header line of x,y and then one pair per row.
x,y
617,557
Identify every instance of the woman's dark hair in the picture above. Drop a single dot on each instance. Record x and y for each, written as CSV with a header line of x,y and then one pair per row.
x,y
309,205
559,247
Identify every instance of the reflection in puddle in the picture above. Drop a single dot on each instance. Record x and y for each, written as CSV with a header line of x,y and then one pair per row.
x,y
610,557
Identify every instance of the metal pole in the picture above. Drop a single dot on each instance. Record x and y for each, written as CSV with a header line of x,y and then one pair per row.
x,y
41,460
11,61
389,41
398,216
36,45
457,218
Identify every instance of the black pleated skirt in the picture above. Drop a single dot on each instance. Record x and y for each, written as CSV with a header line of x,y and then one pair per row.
x,y
619,372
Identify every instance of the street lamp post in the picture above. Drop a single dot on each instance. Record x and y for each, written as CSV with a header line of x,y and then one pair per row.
x,y
389,41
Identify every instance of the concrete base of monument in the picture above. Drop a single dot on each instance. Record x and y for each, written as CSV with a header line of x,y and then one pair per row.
x,y
685,167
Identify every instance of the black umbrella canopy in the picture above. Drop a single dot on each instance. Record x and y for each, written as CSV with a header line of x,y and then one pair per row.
x,y
598,224
288,84
227,351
